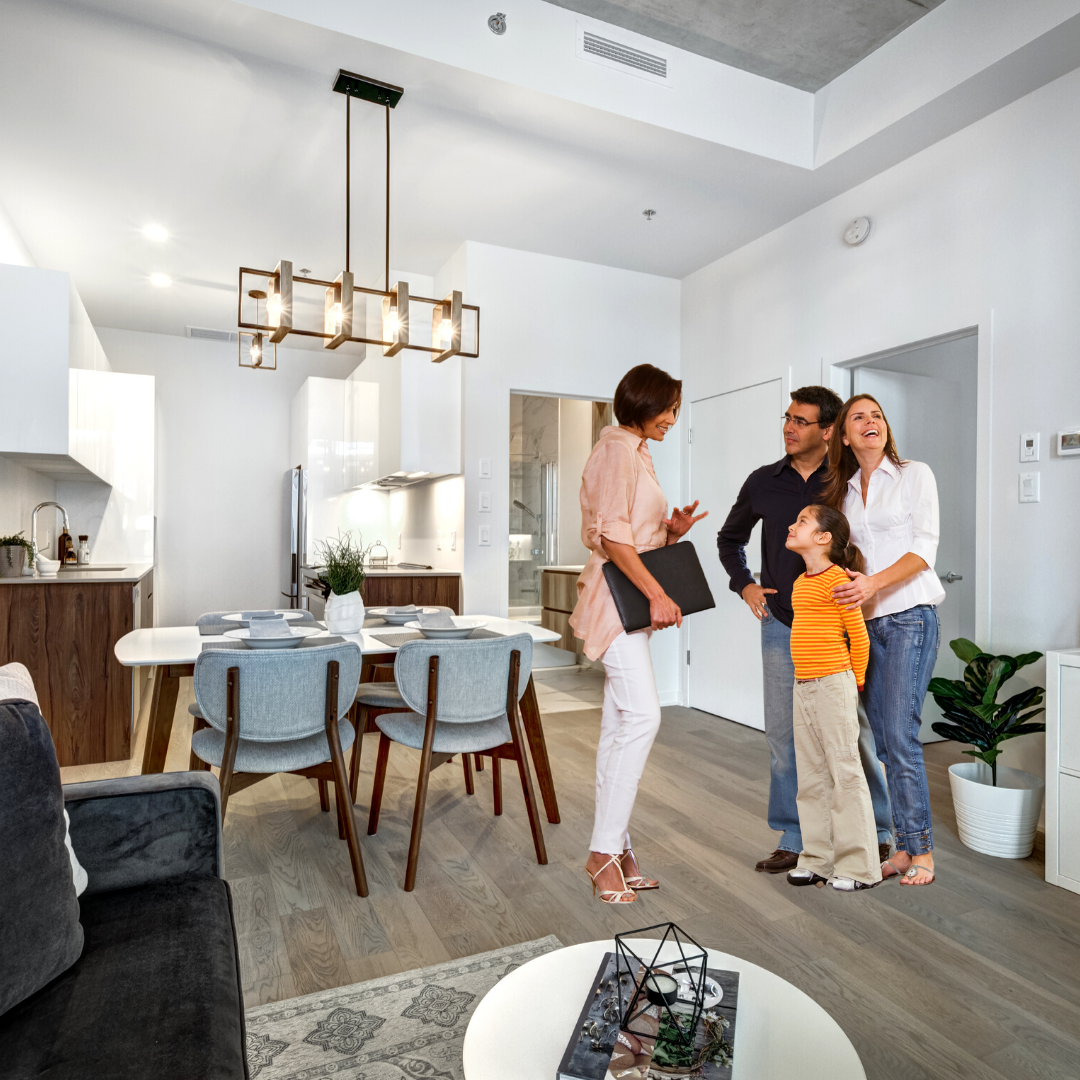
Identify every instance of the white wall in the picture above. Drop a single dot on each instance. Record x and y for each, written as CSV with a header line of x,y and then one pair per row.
x,y
982,228
557,328
222,437
12,248
575,445
21,489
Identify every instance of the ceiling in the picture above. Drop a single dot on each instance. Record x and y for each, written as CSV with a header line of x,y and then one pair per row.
x,y
803,43
217,120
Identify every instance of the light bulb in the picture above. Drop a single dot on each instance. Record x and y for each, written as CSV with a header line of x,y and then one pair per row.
x,y
158,233
273,308
160,281
334,317
255,352
393,323
445,330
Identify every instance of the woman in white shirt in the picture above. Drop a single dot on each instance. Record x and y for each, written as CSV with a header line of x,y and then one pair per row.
x,y
892,507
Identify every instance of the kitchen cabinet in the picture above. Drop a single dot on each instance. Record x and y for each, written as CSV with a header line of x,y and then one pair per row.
x,y
558,595
1063,769
64,629
386,590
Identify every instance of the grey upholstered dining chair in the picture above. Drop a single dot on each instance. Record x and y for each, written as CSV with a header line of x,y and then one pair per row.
x,y
278,711
463,699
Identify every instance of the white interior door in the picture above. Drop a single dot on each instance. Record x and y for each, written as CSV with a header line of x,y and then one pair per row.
x,y
929,396
733,434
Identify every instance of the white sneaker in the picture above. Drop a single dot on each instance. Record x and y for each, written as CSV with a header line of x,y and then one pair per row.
x,y
846,884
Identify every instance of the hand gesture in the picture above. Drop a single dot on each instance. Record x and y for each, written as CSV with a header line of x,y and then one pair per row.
x,y
754,595
680,522
855,592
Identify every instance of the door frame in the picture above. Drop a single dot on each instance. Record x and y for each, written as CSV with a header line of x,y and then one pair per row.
x,y
837,373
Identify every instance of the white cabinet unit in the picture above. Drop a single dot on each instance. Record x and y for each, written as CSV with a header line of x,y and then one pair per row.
x,y
1063,769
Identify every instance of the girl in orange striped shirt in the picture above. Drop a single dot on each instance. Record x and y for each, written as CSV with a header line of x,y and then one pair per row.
x,y
830,648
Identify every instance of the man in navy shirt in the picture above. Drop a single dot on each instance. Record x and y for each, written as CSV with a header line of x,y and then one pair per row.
x,y
774,495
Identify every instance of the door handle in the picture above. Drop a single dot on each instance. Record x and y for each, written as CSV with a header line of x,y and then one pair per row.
x,y
950,577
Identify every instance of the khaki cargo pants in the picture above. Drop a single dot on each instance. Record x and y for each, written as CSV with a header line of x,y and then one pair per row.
x,y
835,812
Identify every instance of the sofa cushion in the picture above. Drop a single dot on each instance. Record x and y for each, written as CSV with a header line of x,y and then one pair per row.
x,y
40,935
156,992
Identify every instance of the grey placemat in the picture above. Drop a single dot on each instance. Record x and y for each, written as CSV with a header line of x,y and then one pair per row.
x,y
396,640
218,628
307,643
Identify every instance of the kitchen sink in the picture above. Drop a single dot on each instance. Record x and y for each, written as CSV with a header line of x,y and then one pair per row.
x,y
96,568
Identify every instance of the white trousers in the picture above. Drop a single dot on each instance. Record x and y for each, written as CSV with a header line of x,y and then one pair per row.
x,y
628,727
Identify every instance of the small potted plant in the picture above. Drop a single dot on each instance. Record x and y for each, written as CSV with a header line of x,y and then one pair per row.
x,y
15,553
342,570
997,808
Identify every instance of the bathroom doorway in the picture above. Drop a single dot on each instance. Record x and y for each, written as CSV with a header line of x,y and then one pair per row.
x,y
550,440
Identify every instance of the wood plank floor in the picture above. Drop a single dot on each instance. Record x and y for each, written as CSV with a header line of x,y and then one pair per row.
x,y
977,976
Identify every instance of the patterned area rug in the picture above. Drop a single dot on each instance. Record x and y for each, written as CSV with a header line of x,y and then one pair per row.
x,y
403,1026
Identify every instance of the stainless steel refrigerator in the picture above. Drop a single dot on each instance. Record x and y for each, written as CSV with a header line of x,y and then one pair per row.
x,y
295,535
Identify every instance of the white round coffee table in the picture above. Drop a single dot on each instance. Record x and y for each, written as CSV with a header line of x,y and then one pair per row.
x,y
521,1028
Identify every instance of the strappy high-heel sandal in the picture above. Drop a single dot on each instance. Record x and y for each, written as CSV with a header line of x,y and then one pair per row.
x,y
639,883
612,896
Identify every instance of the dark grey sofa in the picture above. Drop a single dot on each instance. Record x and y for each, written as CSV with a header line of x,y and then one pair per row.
x,y
156,992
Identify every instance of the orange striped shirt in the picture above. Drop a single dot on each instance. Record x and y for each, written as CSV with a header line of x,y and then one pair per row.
x,y
818,645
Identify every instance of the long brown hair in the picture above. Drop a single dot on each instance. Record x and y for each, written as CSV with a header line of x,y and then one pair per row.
x,y
841,550
843,464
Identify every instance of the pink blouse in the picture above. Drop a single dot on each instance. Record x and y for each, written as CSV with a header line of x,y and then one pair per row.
x,y
622,500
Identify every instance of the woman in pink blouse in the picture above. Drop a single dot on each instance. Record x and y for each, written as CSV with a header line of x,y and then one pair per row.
x,y
622,514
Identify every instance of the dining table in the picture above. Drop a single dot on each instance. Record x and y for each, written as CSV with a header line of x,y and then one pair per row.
x,y
172,651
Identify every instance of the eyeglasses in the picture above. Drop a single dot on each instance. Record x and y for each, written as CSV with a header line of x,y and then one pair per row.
x,y
799,422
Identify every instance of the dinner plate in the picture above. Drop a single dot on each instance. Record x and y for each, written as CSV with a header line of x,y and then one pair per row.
x,y
463,626
296,635
400,618
237,617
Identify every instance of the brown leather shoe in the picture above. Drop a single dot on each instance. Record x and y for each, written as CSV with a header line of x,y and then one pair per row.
x,y
779,862
884,852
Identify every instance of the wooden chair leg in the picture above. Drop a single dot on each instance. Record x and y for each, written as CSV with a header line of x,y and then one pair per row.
x,y
232,736
377,786
518,737
196,763
341,782
337,806
469,788
359,718
324,797
425,773
479,761
496,783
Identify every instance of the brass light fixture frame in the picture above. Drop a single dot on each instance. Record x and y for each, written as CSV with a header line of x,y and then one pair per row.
x,y
259,337
281,285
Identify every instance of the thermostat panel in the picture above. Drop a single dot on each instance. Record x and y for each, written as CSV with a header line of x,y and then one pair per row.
x,y
1068,443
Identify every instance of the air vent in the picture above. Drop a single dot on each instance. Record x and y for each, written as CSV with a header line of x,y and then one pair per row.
x,y
204,333
613,51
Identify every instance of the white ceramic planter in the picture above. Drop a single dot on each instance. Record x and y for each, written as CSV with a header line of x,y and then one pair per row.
x,y
998,820
344,614
12,560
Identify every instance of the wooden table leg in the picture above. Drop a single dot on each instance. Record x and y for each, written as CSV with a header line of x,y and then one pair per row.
x,y
534,732
160,722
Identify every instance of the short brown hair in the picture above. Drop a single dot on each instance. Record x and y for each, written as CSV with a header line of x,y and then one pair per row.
x,y
644,392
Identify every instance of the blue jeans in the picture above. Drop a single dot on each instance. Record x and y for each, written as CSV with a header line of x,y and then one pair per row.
x,y
779,679
903,651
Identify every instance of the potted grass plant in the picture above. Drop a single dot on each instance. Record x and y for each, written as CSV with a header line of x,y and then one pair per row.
x,y
997,807
342,560
15,553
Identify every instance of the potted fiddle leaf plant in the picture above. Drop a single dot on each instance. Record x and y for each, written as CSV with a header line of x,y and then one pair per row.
x,y
997,807
342,561
15,553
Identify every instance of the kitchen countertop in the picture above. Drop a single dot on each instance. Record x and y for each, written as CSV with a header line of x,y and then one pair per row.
x,y
396,571
564,569
131,572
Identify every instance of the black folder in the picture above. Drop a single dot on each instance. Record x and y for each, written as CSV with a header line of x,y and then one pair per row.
x,y
677,571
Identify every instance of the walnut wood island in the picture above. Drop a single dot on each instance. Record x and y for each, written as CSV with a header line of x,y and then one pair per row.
x,y
63,629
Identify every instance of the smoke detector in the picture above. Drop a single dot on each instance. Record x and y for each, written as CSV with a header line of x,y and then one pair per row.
x,y
857,231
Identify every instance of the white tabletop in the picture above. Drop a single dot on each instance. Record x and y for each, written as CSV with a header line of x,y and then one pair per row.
x,y
780,1032
183,644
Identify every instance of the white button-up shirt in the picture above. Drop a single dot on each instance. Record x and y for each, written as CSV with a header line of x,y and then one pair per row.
x,y
900,515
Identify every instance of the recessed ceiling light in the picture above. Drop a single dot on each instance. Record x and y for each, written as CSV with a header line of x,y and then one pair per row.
x,y
161,281
157,233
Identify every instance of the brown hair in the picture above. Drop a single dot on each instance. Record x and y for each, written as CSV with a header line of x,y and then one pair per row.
x,y
843,464
644,392
841,550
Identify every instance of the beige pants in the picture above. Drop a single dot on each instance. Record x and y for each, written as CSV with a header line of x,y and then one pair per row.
x,y
835,812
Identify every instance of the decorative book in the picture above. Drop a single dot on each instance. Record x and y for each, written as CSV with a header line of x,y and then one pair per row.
x,y
599,1050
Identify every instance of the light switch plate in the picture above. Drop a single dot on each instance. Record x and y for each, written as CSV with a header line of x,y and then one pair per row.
x,y
399,541
485,536
1029,487
1029,446
453,539
485,468
485,502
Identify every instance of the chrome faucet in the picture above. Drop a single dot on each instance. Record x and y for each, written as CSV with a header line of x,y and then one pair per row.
x,y
33,526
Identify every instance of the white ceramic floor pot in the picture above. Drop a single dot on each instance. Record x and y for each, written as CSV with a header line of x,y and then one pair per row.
x,y
998,820
12,560
344,614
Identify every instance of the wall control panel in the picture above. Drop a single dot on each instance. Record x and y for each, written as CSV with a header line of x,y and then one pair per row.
x,y
1029,487
1068,443
1029,446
